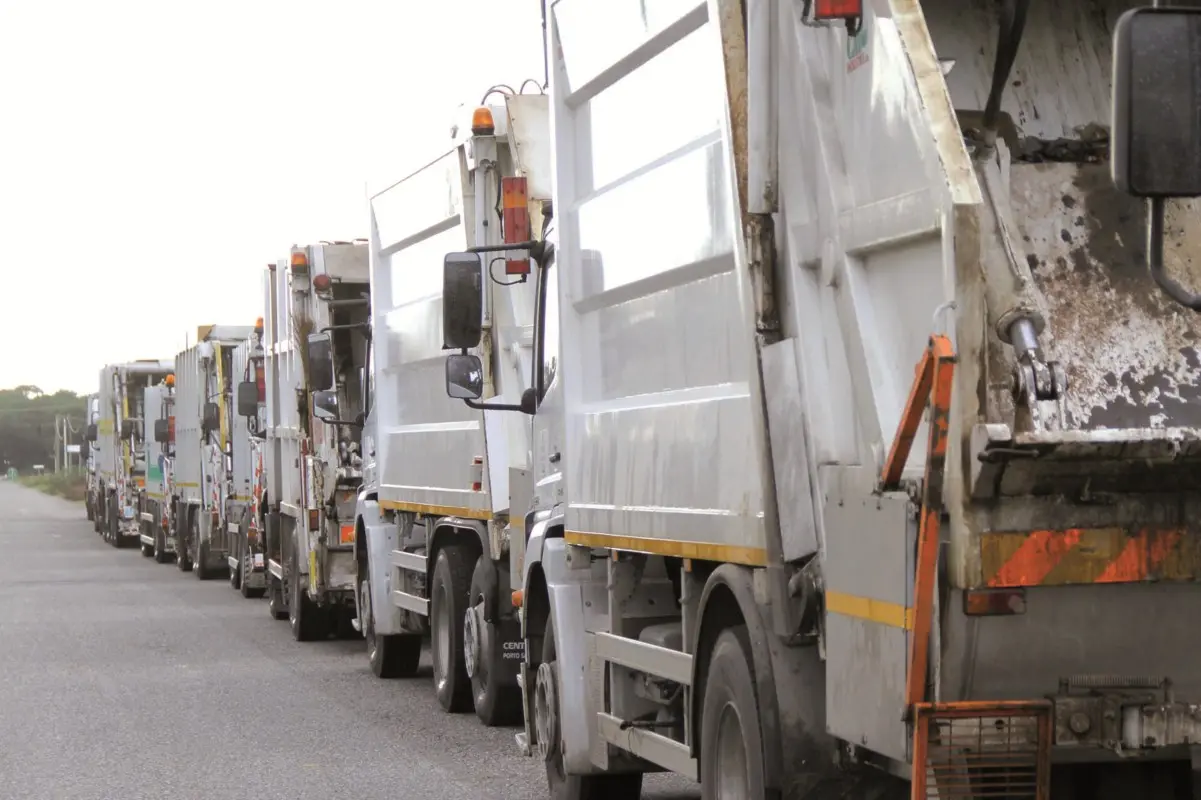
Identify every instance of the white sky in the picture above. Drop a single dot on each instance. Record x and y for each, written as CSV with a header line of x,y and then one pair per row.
x,y
155,155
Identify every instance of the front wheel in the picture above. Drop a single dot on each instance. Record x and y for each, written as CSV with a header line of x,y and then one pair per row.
x,y
448,603
547,716
393,656
204,569
306,618
731,742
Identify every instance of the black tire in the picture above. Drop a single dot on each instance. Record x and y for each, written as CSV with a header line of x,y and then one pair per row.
x,y
113,530
308,621
97,516
183,543
245,565
275,605
731,740
495,703
343,623
161,556
204,554
90,510
562,786
238,547
448,603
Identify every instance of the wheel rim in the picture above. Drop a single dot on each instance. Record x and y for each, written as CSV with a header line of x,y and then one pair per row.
x,y
473,623
733,780
546,714
442,636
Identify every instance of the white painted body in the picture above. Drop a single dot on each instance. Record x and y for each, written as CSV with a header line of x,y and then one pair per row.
x,y
302,466
684,423
120,464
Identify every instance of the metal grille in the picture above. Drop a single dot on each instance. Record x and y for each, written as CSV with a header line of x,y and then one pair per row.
x,y
982,751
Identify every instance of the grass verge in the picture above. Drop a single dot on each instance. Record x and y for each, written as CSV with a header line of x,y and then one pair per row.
x,y
71,486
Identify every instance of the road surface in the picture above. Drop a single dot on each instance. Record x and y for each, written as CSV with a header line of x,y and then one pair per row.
x,y
122,678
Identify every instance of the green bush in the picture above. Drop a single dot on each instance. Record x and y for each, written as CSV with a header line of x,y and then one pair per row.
x,y
70,485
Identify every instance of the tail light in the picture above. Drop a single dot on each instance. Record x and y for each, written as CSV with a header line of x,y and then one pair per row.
x,y
516,216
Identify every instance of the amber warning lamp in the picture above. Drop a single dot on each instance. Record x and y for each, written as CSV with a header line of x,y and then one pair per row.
x,y
481,122
169,380
300,262
515,214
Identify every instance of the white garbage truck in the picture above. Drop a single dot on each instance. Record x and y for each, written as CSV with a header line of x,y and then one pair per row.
x,y
120,449
764,551
316,334
156,501
244,511
204,449
434,531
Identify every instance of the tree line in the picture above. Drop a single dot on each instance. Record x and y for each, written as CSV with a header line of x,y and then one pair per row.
x,y
27,425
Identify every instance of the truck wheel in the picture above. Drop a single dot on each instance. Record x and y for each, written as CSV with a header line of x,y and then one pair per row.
x,y
547,714
161,556
204,570
306,618
275,605
448,604
392,656
97,515
495,703
237,545
183,545
246,558
113,536
731,744
147,549
91,511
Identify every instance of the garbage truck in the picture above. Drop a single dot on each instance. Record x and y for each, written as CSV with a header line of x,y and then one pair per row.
x,y
315,347
156,500
765,550
204,450
436,538
244,509
120,448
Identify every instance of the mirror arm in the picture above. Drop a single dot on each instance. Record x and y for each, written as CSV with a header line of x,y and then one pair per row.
x,y
533,246
354,423
1155,236
493,406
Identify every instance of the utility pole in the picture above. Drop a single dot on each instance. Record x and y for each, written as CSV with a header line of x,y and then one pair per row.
x,y
58,450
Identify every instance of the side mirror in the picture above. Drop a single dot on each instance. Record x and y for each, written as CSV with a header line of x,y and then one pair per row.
x,y
162,431
462,301
211,419
464,377
128,427
325,405
248,399
92,433
1156,133
321,361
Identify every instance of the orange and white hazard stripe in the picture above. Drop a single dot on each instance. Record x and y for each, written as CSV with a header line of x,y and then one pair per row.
x,y
1089,555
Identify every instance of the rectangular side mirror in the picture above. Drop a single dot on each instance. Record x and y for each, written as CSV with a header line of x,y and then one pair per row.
x,y
162,433
1156,130
92,433
464,376
321,361
462,301
325,405
248,399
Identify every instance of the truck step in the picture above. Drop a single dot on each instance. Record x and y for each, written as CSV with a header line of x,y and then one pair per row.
x,y
982,749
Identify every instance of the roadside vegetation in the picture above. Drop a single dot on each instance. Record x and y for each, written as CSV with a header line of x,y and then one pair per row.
x,y
69,485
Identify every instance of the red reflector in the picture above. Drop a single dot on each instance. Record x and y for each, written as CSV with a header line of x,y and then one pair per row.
x,y
314,519
346,534
837,9
994,602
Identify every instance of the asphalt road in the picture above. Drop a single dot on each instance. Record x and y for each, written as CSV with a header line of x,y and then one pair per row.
x,y
124,679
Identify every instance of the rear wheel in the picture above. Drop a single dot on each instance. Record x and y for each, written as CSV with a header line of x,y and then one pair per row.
x,y
184,541
113,530
496,703
246,559
275,591
89,508
547,714
731,742
236,548
448,603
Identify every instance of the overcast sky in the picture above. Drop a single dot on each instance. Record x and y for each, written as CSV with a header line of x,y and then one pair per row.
x,y
156,154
